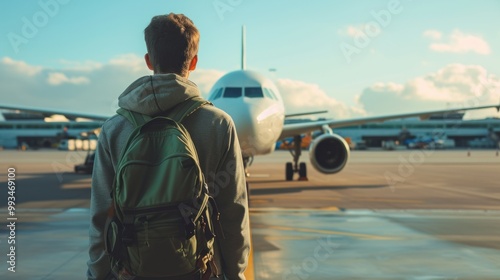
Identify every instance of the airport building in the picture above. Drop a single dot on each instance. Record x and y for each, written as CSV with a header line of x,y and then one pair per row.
x,y
459,133
34,131
483,133
24,130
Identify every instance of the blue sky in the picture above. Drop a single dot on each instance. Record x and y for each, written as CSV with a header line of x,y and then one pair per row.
x,y
353,57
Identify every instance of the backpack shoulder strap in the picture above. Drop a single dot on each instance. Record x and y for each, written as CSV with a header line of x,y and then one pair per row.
x,y
178,113
186,108
135,118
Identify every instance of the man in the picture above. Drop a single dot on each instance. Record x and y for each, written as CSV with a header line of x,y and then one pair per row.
x,y
172,44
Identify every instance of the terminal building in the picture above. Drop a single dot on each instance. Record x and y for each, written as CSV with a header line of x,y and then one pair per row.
x,y
35,131
484,133
464,133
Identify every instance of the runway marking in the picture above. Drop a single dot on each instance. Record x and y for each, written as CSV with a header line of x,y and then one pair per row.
x,y
463,238
270,238
250,271
260,200
273,209
330,208
389,200
252,175
490,196
75,185
301,198
329,232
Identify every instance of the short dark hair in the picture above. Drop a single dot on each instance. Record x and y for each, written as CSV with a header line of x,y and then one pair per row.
x,y
172,42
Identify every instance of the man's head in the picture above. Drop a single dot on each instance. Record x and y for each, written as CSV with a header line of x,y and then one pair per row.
x,y
172,42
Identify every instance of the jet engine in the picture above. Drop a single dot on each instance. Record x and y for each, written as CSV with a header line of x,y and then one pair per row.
x,y
329,153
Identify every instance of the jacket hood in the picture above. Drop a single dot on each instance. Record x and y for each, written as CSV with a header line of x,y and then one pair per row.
x,y
151,95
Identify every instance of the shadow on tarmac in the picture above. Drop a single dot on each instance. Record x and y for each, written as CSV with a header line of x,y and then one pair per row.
x,y
281,190
38,187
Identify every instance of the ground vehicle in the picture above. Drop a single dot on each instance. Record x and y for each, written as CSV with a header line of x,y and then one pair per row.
x,y
87,165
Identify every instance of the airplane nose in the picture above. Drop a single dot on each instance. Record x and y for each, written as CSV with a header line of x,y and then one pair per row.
x,y
257,123
244,118
248,126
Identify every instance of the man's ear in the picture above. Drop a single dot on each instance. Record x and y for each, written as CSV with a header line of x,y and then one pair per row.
x,y
148,62
193,63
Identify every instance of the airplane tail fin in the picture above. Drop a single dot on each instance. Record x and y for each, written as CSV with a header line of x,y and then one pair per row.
x,y
243,49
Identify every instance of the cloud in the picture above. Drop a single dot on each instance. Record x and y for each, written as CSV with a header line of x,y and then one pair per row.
x,y
205,79
353,31
360,30
454,86
95,89
58,78
433,34
457,42
21,67
89,86
86,66
302,97
131,61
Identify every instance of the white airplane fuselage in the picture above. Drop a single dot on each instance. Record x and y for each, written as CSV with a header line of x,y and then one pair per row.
x,y
256,107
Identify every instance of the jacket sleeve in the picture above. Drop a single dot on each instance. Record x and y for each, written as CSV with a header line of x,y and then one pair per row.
x,y
229,188
102,178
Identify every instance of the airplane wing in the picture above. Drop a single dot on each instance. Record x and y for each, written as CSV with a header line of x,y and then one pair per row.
x,y
305,114
300,128
48,112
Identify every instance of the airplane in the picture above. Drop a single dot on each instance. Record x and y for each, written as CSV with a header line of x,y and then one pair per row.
x,y
257,109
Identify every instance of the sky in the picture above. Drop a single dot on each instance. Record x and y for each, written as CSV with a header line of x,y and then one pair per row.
x,y
352,58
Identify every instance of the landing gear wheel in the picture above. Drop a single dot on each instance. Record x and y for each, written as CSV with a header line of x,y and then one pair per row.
x,y
289,171
302,172
247,161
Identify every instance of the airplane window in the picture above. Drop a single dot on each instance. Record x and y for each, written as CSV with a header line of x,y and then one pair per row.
x,y
216,94
268,93
232,92
254,92
273,94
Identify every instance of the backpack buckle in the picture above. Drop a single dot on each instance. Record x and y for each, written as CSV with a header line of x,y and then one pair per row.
x,y
127,236
190,228
128,231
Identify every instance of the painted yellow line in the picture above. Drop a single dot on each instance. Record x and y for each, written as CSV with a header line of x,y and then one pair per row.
x,y
255,210
250,271
330,208
281,237
253,201
330,232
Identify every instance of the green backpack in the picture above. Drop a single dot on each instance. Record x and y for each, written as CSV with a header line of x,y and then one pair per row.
x,y
163,222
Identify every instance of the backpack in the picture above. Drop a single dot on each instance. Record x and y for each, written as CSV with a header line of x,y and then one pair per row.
x,y
163,222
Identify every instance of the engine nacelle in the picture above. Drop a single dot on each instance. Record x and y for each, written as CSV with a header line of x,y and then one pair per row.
x,y
329,153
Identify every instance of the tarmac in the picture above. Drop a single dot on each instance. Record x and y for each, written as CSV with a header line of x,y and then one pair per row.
x,y
423,215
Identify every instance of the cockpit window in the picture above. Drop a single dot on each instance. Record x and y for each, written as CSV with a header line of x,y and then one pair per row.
x,y
267,93
232,92
270,94
254,92
217,94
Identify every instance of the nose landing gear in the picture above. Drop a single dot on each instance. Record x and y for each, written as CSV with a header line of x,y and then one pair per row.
x,y
295,167
247,161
